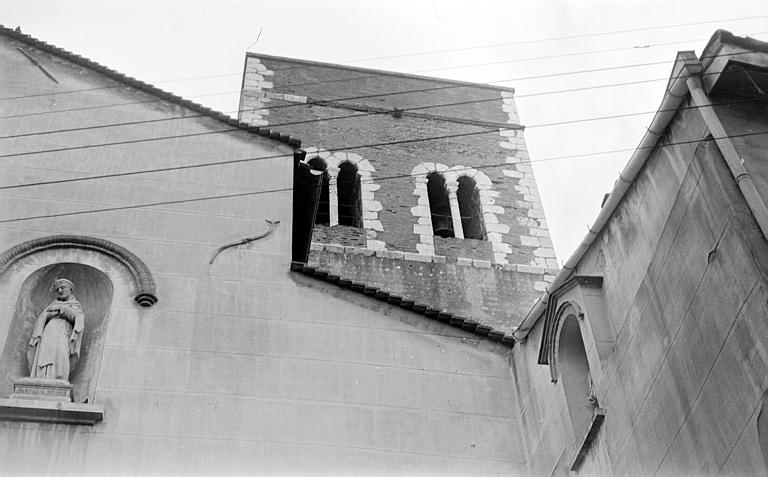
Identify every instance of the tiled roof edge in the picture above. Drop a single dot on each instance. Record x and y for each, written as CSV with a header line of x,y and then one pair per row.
x,y
466,324
146,87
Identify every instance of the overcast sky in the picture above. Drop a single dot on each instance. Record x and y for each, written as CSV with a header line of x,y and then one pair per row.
x,y
167,43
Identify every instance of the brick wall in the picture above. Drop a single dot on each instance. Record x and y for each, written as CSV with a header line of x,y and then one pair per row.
x,y
495,295
276,92
339,234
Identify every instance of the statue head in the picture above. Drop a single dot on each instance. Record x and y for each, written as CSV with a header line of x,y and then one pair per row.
x,y
63,288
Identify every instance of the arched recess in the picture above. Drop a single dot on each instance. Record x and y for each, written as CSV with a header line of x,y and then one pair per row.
x,y
564,310
470,208
146,294
94,290
574,374
349,203
369,207
323,216
439,206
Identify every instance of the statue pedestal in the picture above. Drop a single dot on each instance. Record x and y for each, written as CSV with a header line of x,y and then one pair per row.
x,y
47,400
42,389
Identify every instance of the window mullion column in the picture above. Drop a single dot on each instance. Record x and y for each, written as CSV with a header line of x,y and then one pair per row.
x,y
453,200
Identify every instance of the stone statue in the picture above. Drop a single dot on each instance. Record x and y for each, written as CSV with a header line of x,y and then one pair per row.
x,y
57,335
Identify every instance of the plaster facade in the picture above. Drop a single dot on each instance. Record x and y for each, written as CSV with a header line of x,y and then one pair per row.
x,y
241,366
673,322
645,355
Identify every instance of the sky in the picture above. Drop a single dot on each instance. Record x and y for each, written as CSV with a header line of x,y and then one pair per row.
x,y
539,47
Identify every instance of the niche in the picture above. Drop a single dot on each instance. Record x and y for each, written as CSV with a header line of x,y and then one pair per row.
x,y
94,290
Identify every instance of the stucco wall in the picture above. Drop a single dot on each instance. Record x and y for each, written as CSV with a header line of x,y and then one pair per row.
x,y
684,293
240,366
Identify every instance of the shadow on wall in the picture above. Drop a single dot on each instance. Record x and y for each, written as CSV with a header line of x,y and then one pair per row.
x,y
93,290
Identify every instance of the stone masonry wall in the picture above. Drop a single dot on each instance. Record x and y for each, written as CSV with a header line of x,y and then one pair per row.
x,y
495,295
481,135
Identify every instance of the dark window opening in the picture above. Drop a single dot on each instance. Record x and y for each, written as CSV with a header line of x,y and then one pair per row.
x,y
439,206
470,209
323,216
350,204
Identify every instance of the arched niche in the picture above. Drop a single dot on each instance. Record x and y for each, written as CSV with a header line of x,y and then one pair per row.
x,y
126,293
146,295
573,370
94,290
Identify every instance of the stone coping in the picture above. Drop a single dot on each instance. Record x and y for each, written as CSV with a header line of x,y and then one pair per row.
x,y
416,257
50,411
466,324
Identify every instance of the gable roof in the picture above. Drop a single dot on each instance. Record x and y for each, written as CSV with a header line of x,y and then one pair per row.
x,y
146,87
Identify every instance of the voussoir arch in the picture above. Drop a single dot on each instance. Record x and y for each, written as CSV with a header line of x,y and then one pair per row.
x,y
146,292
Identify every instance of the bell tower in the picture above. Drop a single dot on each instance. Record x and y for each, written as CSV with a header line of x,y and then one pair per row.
x,y
414,170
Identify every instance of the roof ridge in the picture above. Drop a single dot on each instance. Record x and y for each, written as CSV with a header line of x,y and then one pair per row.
x,y
466,324
146,87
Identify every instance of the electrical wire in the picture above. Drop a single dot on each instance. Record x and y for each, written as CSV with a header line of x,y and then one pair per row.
x,y
378,179
313,103
181,136
569,37
376,75
534,41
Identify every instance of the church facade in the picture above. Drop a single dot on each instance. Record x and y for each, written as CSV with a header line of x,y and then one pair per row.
x,y
356,276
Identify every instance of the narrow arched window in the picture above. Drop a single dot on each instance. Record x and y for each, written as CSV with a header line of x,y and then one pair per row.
x,y
348,184
439,206
575,377
323,216
470,209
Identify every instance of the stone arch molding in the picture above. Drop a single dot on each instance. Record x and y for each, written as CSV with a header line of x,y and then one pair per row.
x,y
146,295
565,310
423,227
365,169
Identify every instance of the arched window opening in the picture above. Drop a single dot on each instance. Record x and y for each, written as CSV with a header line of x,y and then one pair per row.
x,y
323,216
439,206
350,207
575,377
470,209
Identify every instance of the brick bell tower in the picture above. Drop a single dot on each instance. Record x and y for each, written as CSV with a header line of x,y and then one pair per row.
x,y
427,189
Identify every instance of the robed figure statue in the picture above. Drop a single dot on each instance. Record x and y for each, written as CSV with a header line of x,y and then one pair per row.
x,y
57,335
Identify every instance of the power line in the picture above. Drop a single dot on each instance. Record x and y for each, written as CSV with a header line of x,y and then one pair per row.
x,y
615,32
285,189
376,75
180,136
541,93
361,146
549,75
559,38
367,76
322,102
